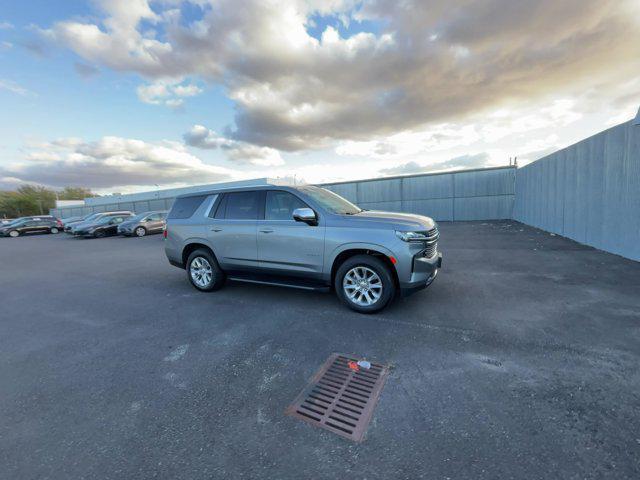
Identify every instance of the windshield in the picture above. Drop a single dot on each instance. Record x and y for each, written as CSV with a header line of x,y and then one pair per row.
x,y
331,201
103,220
136,218
14,222
93,216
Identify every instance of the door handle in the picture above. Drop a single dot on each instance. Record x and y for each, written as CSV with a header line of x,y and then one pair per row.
x,y
266,230
216,229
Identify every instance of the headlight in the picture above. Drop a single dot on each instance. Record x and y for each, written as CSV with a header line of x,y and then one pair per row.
x,y
411,236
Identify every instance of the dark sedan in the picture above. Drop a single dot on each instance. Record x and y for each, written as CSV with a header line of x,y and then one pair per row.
x,y
31,225
143,224
101,227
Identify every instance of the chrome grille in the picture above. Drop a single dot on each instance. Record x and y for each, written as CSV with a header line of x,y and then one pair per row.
x,y
432,243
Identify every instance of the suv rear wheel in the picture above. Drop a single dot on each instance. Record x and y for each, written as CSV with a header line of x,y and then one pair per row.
x,y
203,271
364,283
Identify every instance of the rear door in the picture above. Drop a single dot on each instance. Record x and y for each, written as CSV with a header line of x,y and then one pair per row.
x,y
285,246
232,230
35,225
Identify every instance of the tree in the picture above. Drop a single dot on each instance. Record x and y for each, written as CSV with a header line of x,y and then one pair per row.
x,y
75,193
37,200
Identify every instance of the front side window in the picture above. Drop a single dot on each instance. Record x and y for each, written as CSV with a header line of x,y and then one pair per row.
x,y
280,205
242,206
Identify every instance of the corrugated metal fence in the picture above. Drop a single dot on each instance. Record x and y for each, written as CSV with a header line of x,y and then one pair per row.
x,y
465,195
589,192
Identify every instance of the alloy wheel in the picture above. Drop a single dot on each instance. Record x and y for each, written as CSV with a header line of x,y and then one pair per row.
x,y
362,286
201,272
140,232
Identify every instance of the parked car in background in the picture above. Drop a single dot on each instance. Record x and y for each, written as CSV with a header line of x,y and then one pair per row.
x,y
30,225
305,237
93,218
68,220
102,227
143,224
71,222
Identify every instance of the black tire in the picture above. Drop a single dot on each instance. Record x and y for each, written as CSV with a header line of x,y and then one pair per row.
x,y
217,275
139,230
54,230
14,233
380,269
99,234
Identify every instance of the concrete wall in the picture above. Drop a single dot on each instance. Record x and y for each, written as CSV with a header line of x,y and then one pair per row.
x,y
589,192
464,195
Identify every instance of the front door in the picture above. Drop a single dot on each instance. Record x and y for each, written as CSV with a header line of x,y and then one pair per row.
x,y
286,246
232,231
154,222
112,226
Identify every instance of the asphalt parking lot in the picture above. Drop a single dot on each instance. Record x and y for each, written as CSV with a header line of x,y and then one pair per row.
x,y
521,361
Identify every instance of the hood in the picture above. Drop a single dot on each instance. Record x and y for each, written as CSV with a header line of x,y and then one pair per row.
x,y
84,225
399,221
128,223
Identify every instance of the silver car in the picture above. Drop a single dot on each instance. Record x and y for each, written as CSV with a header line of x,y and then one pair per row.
x,y
143,224
305,237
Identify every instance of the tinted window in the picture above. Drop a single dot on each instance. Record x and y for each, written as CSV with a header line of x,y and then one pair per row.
x,y
280,205
185,207
242,206
221,209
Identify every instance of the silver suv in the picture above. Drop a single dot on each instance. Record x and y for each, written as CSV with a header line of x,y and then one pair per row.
x,y
305,237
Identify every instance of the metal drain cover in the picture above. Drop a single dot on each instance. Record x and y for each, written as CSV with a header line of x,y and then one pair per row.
x,y
340,398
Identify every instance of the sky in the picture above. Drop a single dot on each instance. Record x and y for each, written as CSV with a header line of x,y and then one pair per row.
x,y
123,95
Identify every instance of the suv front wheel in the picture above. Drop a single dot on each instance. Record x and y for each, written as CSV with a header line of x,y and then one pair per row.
x,y
364,283
203,271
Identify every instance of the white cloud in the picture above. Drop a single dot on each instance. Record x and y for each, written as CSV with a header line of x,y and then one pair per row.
x,y
14,87
427,63
170,93
239,152
478,160
6,26
114,163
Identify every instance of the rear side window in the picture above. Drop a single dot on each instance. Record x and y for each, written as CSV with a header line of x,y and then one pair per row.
x,y
185,207
242,205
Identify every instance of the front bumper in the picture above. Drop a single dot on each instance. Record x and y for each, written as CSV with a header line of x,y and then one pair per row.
x,y
125,231
424,272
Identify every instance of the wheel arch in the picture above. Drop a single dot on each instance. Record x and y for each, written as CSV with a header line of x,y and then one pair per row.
x,y
194,245
347,251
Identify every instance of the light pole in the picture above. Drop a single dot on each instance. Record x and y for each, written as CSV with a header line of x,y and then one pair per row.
x,y
157,190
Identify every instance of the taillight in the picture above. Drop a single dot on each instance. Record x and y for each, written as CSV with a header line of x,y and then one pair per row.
x,y
164,233
59,222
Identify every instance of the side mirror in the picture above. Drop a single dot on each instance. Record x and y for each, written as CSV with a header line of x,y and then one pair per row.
x,y
305,215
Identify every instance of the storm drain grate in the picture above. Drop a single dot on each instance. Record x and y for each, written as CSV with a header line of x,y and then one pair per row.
x,y
340,397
